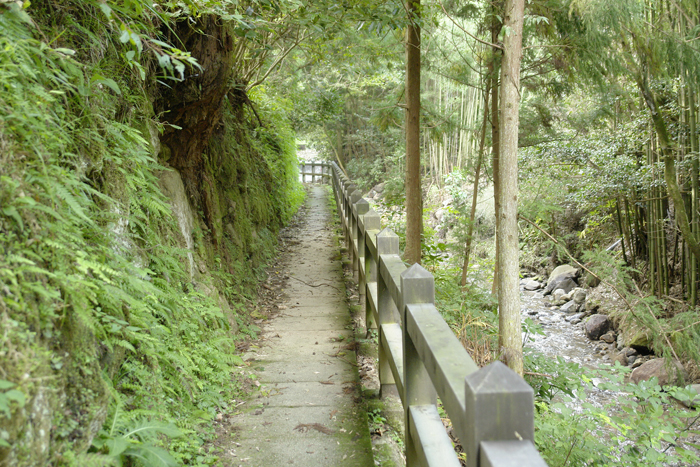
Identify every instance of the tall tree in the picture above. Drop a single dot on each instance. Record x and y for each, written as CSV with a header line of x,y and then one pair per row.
x,y
496,25
414,214
510,340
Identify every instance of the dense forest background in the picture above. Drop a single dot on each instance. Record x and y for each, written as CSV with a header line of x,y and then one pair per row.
x,y
147,162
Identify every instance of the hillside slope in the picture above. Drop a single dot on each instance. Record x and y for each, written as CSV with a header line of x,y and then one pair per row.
x,y
136,212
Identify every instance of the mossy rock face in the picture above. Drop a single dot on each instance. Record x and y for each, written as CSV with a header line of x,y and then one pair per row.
x,y
70,359
635,337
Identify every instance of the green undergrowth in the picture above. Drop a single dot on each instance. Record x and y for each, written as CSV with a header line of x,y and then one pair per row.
x,y
111,351
623,424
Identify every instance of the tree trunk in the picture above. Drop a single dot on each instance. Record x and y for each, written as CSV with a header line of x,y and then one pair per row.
x,y
414,214
510,339
496,26
475,192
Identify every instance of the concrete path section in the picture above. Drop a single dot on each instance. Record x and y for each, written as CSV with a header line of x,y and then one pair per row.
x,y
307,411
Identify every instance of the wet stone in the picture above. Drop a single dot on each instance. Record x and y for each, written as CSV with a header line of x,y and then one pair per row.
x,y
578,295
657,368
596,326
608,337
558,295
621,358
570,307
577,316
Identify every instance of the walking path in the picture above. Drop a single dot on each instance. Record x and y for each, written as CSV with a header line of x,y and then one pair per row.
x,y
307,411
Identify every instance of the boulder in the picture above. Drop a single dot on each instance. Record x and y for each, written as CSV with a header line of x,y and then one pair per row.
x,y
567,284
608,337
440,214
596,326
378,188
590,281
604,299
558,295
569,307
657,368
563,270
531,285
578,295
636,337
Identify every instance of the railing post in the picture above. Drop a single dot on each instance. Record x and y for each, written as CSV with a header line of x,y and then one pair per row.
x,y
371,221
353,197
348,188
360,208
387,244
500,407
359,267
338,191
417,286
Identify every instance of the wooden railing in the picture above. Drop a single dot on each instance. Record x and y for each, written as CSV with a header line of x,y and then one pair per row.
x,y
491,409
317,171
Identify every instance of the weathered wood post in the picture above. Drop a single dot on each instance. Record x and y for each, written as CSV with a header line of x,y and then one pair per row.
x,y
360,208
347,189
353,197
371,222
417,286
500,406
337,186
387,244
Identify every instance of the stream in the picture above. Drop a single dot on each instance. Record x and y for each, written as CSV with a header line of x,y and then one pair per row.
x,y
561,338
566,340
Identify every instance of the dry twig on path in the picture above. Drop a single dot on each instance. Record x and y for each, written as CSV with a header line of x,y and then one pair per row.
x,y
314,285
304,427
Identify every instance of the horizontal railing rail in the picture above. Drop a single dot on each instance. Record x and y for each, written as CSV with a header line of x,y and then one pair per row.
x,y
317,170
491,409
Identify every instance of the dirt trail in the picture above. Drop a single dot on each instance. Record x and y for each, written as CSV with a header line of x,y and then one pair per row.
x,y
307,411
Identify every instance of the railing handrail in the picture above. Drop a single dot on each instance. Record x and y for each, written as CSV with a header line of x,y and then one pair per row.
x,y
325,173
420,358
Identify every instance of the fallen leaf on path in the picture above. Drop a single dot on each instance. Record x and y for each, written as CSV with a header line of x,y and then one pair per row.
x,y
327,382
